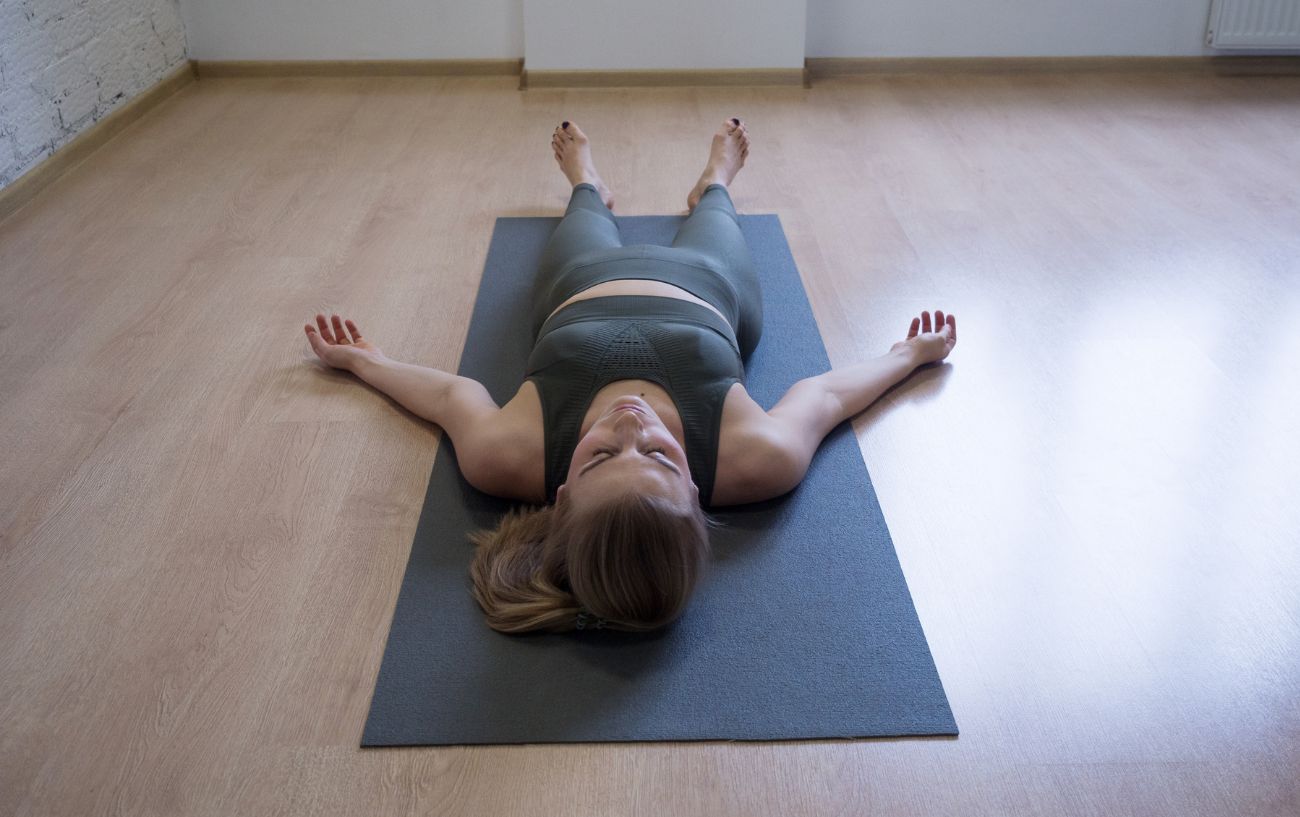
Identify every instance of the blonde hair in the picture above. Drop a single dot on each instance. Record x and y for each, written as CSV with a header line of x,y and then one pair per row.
x,y
633,561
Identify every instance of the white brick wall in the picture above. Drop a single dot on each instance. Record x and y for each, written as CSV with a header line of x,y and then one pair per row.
x,y
65,64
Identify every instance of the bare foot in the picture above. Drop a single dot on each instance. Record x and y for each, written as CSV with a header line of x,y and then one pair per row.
x,y
573,152
726,157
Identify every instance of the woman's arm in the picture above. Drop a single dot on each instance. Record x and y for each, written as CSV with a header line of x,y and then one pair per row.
x,y
461,406
451,401
813,407
769,452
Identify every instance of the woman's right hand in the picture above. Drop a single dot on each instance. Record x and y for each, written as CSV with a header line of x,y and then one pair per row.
x,y
336,348
927,344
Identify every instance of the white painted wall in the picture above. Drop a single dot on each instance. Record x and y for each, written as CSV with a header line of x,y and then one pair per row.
x,y
65,64
663,34
354,29
1007,28
704,34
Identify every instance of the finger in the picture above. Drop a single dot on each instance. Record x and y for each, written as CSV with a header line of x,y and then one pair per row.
x,y
952,324
915,327
938,320
340,334
313,338
324,329
925,322
352,327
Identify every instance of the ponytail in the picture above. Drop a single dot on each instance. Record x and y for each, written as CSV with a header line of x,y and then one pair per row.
x,y
631,563
519,579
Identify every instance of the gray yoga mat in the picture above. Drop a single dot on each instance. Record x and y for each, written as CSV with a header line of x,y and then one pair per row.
x,y
802,628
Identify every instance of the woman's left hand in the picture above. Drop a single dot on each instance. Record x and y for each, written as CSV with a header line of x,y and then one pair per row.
x,y
930,343
336,348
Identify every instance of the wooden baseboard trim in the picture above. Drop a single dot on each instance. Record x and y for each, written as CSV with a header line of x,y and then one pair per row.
x,y
657,78
208,69
825,67
27,186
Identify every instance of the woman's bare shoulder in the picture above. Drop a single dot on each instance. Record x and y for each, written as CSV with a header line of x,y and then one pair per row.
x,y
510,449
752,459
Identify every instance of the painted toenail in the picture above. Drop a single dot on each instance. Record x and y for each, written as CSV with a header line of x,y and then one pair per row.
x,y
735,120
564,125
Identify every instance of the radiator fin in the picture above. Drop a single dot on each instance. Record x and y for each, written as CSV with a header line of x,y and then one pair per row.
x,y
1254,24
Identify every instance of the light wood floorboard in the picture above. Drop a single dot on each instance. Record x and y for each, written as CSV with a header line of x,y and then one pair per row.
x,y
203,533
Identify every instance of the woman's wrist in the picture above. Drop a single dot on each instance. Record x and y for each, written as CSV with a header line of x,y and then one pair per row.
x,y
908,354
366,365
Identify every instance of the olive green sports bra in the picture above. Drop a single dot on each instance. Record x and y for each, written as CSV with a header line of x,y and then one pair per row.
x,y
686,348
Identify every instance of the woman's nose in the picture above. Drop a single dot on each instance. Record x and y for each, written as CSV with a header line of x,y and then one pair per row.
x,y
630,422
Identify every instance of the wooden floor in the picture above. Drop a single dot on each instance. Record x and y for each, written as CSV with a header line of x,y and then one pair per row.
x,y
202,533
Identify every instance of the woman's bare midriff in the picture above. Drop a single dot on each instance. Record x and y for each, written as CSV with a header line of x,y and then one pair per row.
x,y
636,286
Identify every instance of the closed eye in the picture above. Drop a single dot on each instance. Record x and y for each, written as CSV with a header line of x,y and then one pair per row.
x,y
610,455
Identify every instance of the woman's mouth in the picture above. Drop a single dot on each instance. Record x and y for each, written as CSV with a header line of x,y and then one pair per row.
x,y
629,405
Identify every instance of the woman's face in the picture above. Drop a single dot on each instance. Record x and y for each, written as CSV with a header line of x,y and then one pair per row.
x,y
628,448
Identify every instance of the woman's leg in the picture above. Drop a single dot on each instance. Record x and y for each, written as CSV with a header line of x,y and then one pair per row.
x,y
713,230
587,225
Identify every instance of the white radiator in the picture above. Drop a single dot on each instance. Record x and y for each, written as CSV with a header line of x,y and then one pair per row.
x,y
1254,24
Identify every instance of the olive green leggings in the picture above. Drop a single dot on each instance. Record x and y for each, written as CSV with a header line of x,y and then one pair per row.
x,y
708,258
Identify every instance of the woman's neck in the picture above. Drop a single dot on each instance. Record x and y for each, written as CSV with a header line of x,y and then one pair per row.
x,y
654,394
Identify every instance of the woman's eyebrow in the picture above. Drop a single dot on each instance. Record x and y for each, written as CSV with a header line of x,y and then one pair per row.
x,y
664,463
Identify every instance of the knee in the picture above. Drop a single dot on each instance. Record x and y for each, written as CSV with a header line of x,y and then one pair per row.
x,y
720,209
596,211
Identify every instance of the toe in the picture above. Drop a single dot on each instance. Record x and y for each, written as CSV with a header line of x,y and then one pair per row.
x,y
575,133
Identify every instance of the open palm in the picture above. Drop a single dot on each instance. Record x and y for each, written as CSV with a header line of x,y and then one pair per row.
x,y
931,342
341,346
